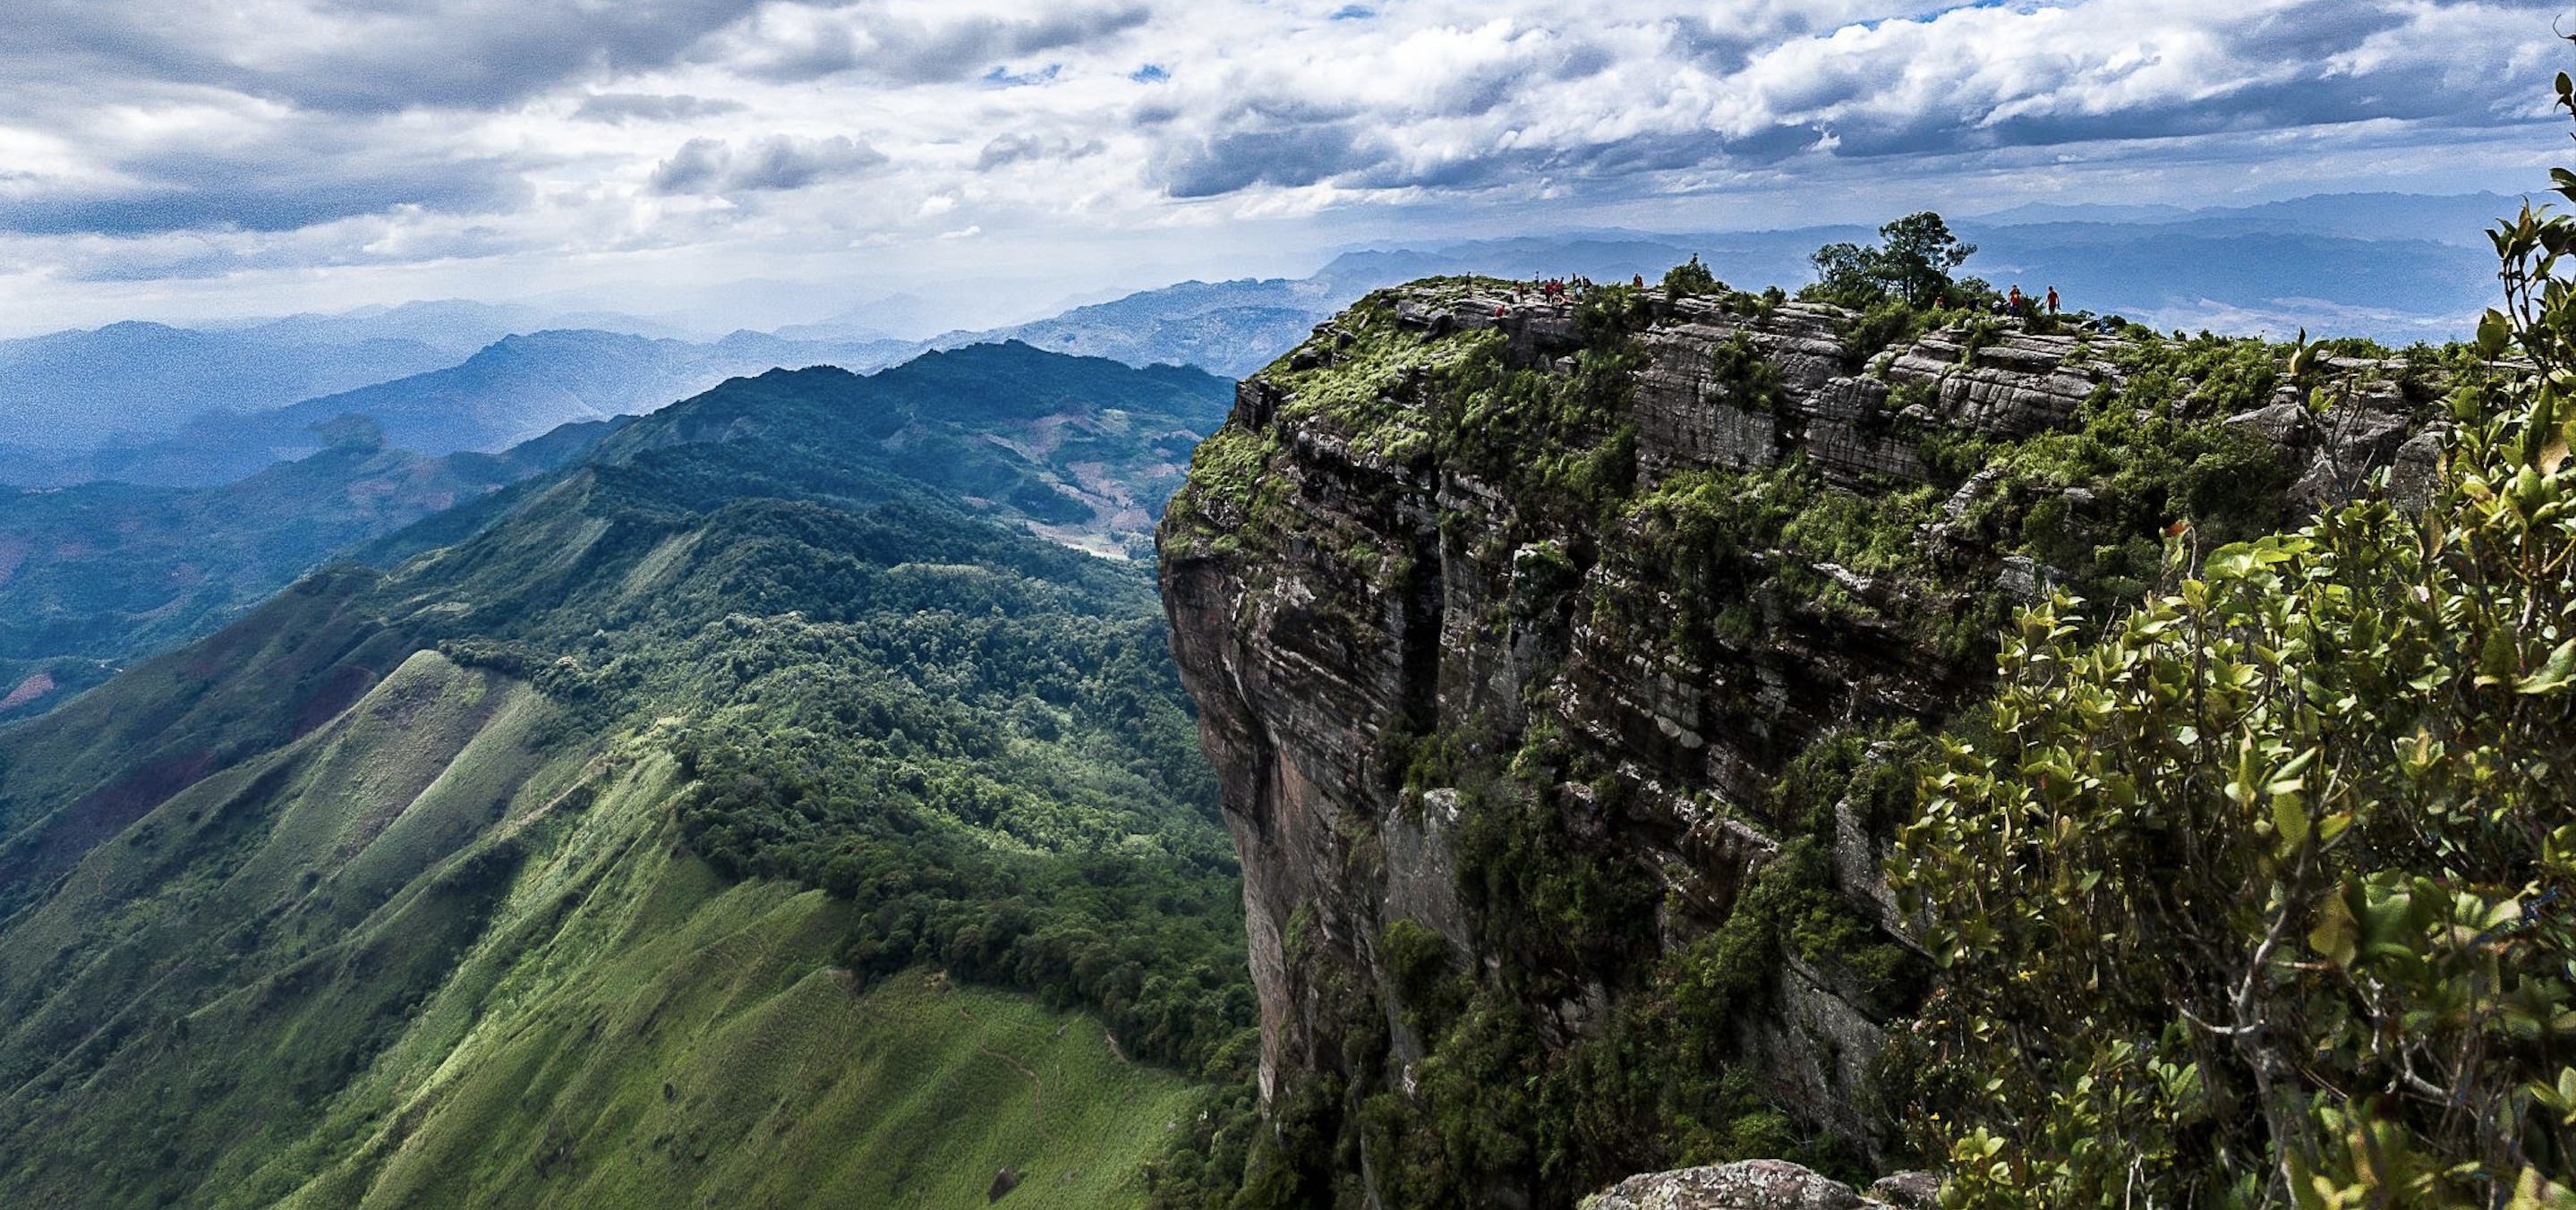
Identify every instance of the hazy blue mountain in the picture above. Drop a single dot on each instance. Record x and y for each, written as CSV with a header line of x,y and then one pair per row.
x,y
74,390
65,394
1229,327
1080,451
510,391
454,325
96,575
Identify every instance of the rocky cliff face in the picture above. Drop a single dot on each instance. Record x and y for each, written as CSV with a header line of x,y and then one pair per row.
x,y
1604,573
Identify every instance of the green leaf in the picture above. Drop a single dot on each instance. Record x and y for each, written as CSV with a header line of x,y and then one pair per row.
x,y
2289,823
2554,675
2336,938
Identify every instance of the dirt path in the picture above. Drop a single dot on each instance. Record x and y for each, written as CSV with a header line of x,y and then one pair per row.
x,y
1037,1084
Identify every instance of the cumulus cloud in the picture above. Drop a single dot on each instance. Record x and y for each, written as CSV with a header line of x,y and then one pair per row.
x,y
273,133
780,162
787,42
652,107
1018,147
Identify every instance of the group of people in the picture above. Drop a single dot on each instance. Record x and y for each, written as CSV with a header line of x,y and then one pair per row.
x,y
1558,289
1553,289
2015,303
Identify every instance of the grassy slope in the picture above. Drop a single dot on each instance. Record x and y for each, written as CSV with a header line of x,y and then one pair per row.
x,y
313,913
533,996
92,577
636,1032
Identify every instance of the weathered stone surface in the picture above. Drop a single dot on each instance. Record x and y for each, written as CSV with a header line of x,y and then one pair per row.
x,y
2285,424
2353,440
2413,473
1751,1185
1314,671
1908,1190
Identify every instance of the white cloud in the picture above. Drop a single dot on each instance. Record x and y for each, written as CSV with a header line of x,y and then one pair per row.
x,y
251,137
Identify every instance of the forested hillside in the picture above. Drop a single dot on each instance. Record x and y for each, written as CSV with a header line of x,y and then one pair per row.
x,y
731,816
1082,450
94,576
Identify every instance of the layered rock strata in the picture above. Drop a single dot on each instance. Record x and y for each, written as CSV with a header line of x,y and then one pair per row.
x,y
1358,590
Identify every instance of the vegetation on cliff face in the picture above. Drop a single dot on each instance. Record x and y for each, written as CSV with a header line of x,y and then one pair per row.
x,y
1731,564
2257,893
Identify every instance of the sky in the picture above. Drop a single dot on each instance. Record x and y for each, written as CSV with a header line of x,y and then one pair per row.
x,y
182,159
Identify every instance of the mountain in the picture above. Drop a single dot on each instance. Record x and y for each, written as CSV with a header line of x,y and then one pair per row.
x,y
1081,451
1230,328
456,327
93,576
71,391
732,816
1567,673
508,392
2394,267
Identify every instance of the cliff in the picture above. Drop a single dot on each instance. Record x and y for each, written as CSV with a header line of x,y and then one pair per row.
x,y
1561,664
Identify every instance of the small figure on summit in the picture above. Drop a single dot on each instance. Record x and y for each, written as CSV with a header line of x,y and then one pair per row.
x,y
2052,300
2015,301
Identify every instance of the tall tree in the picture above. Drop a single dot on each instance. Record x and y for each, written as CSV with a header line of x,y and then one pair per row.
x,y
1911,263
1916,255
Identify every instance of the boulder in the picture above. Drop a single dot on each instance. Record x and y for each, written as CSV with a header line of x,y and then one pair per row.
x,y
1748,1185
1908,1190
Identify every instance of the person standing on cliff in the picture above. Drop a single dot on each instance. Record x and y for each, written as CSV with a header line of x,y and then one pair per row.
x,y
2052,300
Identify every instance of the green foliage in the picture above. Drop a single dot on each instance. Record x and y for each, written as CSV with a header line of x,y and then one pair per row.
x,y
1369,386
1743,377
1890,324
1911,264
1554,440
2258,897
1691,278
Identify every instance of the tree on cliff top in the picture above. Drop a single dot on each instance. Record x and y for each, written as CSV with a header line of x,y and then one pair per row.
x,y
1911,264
2268,896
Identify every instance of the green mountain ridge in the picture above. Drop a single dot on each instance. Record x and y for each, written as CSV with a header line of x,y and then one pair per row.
x,y
1082,450
609,852
96,575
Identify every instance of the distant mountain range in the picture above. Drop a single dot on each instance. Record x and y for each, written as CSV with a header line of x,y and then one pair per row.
x,y
1080,451
2396,267
95,575
73,391
512,390
153,404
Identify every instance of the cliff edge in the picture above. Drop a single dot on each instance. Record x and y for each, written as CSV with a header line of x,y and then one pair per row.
x,y
1561,663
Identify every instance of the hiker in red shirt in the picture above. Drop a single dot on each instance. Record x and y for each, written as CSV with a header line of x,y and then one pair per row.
x,y
2052,300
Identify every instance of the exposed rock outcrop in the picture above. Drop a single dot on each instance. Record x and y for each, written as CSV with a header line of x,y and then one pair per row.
x,y
1361,591
1750,1185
